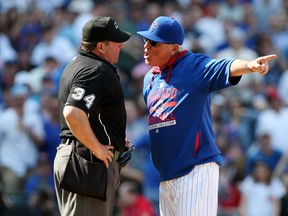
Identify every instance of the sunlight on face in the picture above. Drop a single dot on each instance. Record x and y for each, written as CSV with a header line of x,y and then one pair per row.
x,y
158,55
112,50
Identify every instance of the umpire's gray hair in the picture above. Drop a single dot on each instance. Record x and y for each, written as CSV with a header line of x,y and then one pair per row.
x,y
89,46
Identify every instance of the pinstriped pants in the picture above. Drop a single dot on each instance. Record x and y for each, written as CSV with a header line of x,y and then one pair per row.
x,y
195,194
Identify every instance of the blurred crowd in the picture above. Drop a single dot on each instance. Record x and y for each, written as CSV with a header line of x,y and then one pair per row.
x,y
39,37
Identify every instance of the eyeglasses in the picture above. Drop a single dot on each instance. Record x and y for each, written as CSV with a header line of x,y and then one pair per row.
x,y
153,43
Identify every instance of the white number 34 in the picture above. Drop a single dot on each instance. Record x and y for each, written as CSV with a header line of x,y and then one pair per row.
x,y
78,95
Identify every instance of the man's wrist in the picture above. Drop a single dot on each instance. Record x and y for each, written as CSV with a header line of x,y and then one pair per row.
x,y
247,68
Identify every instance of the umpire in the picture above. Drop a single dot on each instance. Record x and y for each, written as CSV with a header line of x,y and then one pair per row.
x,y
92,114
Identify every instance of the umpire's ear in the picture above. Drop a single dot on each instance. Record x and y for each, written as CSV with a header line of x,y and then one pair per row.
x,y
100,47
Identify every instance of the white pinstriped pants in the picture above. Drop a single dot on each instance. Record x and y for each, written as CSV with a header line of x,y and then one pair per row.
x,y
195,194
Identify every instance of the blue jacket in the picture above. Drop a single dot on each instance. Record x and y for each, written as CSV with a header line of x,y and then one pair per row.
x,y
180,122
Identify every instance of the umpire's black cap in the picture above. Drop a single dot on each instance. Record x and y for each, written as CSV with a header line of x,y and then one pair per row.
x,y
101,28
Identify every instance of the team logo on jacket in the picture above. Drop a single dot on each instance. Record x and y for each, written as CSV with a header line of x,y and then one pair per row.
x,y
162,102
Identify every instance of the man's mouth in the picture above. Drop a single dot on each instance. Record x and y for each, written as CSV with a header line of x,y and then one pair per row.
x,y
146,55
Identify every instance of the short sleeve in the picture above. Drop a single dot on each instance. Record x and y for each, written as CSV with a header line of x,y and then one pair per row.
x,y
87,89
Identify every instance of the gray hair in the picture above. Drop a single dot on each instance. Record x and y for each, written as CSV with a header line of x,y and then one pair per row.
x,y
89,46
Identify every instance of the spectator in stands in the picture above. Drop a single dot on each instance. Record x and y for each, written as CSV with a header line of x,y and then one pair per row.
x,y
51,124
229,193
21,134
39,189
150,182
131,202
237,48
274,120
262,148
261,192
283,87
52,44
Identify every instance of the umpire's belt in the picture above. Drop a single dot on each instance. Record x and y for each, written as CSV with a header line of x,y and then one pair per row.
x,y
68,141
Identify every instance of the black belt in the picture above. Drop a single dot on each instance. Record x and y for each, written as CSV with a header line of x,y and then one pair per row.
x,y
68,141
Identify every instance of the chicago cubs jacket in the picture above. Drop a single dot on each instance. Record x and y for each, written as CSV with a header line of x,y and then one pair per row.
x,y
180,122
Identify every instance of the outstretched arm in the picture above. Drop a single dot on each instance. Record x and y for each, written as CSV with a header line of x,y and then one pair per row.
x,y
260,65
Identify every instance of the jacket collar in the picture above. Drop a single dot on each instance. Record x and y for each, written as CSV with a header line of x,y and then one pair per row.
x,y
158,70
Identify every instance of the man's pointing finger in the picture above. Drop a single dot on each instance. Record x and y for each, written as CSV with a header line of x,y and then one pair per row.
x,y
266,58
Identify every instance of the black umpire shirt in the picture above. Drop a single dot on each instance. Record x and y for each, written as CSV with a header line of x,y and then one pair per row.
x,y
93,85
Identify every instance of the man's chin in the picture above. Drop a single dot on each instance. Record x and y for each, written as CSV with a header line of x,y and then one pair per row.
x,y
148,62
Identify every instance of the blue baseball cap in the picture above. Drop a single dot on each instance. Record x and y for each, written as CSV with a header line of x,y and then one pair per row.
x,y
164,30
